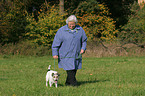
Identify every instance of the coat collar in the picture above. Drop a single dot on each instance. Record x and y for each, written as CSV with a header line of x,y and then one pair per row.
x,y
67,29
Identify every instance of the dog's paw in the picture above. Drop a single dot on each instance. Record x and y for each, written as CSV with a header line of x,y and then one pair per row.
x,y
46,85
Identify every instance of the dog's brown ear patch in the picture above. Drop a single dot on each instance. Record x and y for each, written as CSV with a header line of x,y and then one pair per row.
x,y
52,74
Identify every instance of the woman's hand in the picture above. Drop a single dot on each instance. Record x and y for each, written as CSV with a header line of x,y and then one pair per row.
x,y
55,57
82,51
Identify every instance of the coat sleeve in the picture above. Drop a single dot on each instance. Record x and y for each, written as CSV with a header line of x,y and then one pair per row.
x,y
84,40
56,43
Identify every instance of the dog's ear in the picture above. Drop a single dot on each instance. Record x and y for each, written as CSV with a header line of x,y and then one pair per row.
x,y
52,74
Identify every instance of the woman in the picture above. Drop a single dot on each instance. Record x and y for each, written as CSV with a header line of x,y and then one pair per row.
x,y
70,41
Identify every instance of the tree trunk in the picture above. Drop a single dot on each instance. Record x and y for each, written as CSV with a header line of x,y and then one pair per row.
x,y
61,6
46,4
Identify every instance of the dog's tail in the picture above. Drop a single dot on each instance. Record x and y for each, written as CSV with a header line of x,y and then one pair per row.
x,y
49,68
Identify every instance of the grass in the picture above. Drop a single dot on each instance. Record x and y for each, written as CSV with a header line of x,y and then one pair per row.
x,y
107,76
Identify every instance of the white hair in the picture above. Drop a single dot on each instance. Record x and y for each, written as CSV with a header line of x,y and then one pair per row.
x,y
71,18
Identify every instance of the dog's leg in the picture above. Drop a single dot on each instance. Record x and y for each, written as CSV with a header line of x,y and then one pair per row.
x,y
46,83
50,83
46,80
56,85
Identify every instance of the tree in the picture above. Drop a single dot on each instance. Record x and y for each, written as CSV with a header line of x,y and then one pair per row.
x,y
13,22
134,30
94,19
119,10
43,31
61,6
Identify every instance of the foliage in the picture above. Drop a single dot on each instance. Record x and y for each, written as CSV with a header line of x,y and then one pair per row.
x,y
119,10
43,30
95,21
70,7
134,30
24,48
13,22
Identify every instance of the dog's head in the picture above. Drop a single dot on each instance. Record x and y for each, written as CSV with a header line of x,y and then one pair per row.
x,y
55,76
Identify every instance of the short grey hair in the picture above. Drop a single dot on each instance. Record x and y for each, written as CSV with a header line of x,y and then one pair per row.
x,y
72,18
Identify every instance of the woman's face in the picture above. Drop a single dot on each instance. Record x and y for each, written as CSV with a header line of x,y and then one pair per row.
x,y
71,24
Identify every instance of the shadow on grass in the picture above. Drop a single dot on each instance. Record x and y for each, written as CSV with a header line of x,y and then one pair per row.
x,y
86,82
91,81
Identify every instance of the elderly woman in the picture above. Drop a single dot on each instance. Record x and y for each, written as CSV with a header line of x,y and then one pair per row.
x,y
70,41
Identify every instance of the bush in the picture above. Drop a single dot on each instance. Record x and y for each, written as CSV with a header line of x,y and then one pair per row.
x,y
134,30
43,31
95,21
13,22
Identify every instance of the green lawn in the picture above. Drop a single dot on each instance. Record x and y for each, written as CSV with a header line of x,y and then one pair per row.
x,y
108,76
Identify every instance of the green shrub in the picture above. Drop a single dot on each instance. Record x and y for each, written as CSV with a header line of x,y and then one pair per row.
x,y
43,31
13,22
94,19
134,30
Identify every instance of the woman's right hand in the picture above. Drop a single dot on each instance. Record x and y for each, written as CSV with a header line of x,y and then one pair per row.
x,y
55,57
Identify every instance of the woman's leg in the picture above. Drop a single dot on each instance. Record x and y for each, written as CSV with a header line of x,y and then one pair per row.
x,y
71,79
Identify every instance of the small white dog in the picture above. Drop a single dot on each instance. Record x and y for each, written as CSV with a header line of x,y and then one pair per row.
x,y
52,77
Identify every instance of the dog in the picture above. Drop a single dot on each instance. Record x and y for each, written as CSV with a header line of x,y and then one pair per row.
x,y
52,77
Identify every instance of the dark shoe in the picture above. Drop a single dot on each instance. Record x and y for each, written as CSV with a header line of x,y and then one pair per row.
x,y
74,85
67,84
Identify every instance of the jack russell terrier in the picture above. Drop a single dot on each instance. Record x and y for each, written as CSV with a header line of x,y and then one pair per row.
x,y
52,77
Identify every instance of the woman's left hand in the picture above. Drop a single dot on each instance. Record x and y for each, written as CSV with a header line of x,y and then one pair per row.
x,y
82,51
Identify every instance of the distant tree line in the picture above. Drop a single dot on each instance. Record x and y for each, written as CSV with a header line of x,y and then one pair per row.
x,y
37,21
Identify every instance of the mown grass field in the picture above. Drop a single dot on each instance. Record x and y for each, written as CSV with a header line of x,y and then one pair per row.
x,y
107,76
